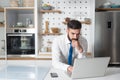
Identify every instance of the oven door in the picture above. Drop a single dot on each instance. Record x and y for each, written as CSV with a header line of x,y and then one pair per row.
x,y
20,44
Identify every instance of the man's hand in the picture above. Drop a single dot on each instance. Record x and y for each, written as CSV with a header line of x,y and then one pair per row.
x,y
69,69
76,44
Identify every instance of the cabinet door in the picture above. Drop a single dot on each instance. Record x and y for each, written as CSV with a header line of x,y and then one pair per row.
x,y
2,42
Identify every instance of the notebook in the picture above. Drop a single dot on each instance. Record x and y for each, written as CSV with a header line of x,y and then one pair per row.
x,y
90,67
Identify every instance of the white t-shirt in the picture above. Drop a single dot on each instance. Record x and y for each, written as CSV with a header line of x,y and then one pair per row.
x,y
60,51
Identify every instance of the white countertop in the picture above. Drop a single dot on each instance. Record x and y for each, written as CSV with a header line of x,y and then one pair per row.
x,y
38,70
112,73
24,69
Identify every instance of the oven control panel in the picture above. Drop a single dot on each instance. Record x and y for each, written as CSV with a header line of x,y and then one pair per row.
x,y
20,31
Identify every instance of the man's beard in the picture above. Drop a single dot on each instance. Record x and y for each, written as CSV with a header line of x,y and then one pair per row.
x,y
72,38
69,38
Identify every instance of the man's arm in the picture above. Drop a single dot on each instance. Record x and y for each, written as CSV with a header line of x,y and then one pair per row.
x,y
57,57
76,44
84,45
69,69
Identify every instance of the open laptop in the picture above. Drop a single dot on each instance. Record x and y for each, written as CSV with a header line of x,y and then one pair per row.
x,y
90,67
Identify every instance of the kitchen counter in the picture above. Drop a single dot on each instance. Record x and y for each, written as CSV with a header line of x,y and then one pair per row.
x,y
24,69
40,70
112,73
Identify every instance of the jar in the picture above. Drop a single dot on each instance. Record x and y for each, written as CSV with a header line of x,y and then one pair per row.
x,y
28,22
43,49
14,3
28,3
49,49
20,3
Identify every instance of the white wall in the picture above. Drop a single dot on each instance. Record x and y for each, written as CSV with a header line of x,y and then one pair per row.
x,y
75,9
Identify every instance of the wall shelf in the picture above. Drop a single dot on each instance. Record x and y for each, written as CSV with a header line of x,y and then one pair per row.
x,y
45,55
1,9
1,25
107,9
21,10
21,28
50,11
83,22
51,33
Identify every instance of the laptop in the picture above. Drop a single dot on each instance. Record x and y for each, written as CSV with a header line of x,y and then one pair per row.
x,y
90,67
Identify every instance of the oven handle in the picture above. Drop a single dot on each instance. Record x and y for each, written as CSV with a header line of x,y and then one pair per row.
x,y
19,34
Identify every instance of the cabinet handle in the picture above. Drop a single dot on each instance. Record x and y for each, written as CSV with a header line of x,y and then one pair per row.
x,y
109,24
3,47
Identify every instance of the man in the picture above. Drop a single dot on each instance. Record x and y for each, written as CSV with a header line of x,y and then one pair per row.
x,y
61,47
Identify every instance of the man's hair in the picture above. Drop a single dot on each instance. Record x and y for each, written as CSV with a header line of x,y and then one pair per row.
x,y
74,24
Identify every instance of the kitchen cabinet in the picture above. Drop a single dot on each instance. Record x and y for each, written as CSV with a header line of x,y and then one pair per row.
x,y
2,42
20,31
17,17
1,23
2,35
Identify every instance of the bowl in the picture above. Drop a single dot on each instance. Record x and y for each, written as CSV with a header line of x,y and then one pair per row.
x,y
46,7
55,30
115,6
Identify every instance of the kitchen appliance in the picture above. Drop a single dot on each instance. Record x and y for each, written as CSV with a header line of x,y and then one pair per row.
x,y
107,39
20,43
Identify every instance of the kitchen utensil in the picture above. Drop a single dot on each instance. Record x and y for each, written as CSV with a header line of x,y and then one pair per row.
x,y
14,3
46,27
55,30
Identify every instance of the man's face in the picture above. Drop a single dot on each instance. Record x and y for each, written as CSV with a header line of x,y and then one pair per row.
x,y
73,33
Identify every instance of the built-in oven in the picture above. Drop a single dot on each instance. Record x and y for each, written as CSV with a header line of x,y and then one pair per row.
x,y
20,43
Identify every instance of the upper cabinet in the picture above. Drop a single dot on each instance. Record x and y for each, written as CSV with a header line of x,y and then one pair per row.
x,y
19,17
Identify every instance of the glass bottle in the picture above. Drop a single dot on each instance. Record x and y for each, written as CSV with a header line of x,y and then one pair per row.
x,y
20,3
28,22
